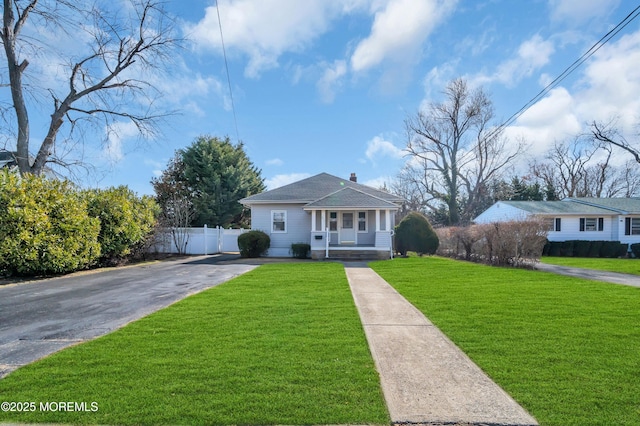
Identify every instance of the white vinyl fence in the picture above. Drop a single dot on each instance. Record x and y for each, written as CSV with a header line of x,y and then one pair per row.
x,y
198,240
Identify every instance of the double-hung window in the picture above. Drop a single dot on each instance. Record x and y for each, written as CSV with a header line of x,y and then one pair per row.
x,y
362,221
588,224
554,224
333,221
278,221
632,226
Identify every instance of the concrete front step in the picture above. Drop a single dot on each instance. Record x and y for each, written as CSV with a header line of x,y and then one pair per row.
x,y
354,254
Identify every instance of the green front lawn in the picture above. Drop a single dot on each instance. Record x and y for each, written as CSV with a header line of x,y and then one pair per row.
x,y
567,349
624,266
282,344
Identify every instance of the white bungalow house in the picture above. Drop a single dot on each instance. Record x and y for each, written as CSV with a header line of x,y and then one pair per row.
x,y
337,217
591,219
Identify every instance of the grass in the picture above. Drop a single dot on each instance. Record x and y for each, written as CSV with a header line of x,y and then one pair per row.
x,y
282,344
566,349
624,266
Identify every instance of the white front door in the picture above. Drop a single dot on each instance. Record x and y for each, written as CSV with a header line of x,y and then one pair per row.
x,y
347,228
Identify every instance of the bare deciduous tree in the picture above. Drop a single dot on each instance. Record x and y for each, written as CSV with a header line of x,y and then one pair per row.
x,y
455,151
104,84
607,133
584,168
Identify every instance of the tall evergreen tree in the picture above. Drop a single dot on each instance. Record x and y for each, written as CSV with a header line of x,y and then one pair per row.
x,y
215,174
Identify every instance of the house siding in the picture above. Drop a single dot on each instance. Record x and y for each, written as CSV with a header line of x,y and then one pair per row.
x,y
297,231
571,229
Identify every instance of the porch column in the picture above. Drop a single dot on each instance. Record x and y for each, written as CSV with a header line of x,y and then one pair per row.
x,y
323,219
377,220
387,220
313,220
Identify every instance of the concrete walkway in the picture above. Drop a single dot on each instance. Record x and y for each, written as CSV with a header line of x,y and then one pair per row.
x,y
591,274
425,378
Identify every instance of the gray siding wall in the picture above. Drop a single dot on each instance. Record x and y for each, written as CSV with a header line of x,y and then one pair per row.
x,y
298,227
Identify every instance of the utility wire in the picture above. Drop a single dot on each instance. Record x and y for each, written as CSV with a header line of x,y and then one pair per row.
x,y
571,68
226,65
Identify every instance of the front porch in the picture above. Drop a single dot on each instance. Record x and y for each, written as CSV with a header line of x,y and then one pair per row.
x,y
352,234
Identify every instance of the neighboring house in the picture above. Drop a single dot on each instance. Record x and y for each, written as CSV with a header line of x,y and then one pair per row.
x,y
337,217
7,159
592,219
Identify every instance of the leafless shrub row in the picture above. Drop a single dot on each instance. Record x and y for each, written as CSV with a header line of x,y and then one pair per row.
x,y
517,243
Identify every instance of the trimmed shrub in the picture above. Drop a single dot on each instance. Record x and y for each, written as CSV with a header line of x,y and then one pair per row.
x,y
125,220
300,250
566,249
595,248
612,249
581,248
635,249
555,248
44,227
414,233
253,243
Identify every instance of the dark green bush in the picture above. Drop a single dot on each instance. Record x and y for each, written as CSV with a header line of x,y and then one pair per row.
x,y
555,248
125,220
635,249
595,248
300,250
414,233
44,227
253,243
566,249
612,249
581,248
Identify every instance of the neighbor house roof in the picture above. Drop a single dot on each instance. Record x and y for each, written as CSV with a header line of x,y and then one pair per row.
x,y
7,158
618,205
557,207
320,188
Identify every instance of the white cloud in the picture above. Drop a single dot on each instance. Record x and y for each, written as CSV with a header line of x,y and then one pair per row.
x,y
116,134
577,12
331,80
281,180
608,89
378,148
264,30
398,31
379,182
532,55
274,162
611,84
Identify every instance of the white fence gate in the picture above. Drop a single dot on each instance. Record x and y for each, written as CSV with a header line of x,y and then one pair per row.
x,y
199,240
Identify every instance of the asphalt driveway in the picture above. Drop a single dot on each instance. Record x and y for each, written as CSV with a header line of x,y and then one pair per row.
x,y
42,317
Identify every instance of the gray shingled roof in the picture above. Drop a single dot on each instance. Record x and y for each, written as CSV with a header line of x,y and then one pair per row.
x,y
315,188
619,205
349,198
558,207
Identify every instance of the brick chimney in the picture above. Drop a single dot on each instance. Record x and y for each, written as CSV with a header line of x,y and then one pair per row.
x,y
353,177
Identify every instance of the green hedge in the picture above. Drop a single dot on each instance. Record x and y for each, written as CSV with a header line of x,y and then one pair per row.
x,y
44,227
125,220
48,226
583,248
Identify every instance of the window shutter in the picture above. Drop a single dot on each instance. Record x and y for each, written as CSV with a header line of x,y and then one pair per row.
x,y
627,226
558,224
582,224
600,223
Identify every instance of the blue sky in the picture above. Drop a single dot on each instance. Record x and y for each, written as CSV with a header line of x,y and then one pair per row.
x,y
325,85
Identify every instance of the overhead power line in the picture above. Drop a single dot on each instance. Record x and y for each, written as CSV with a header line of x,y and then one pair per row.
x,y
226,65
570,69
